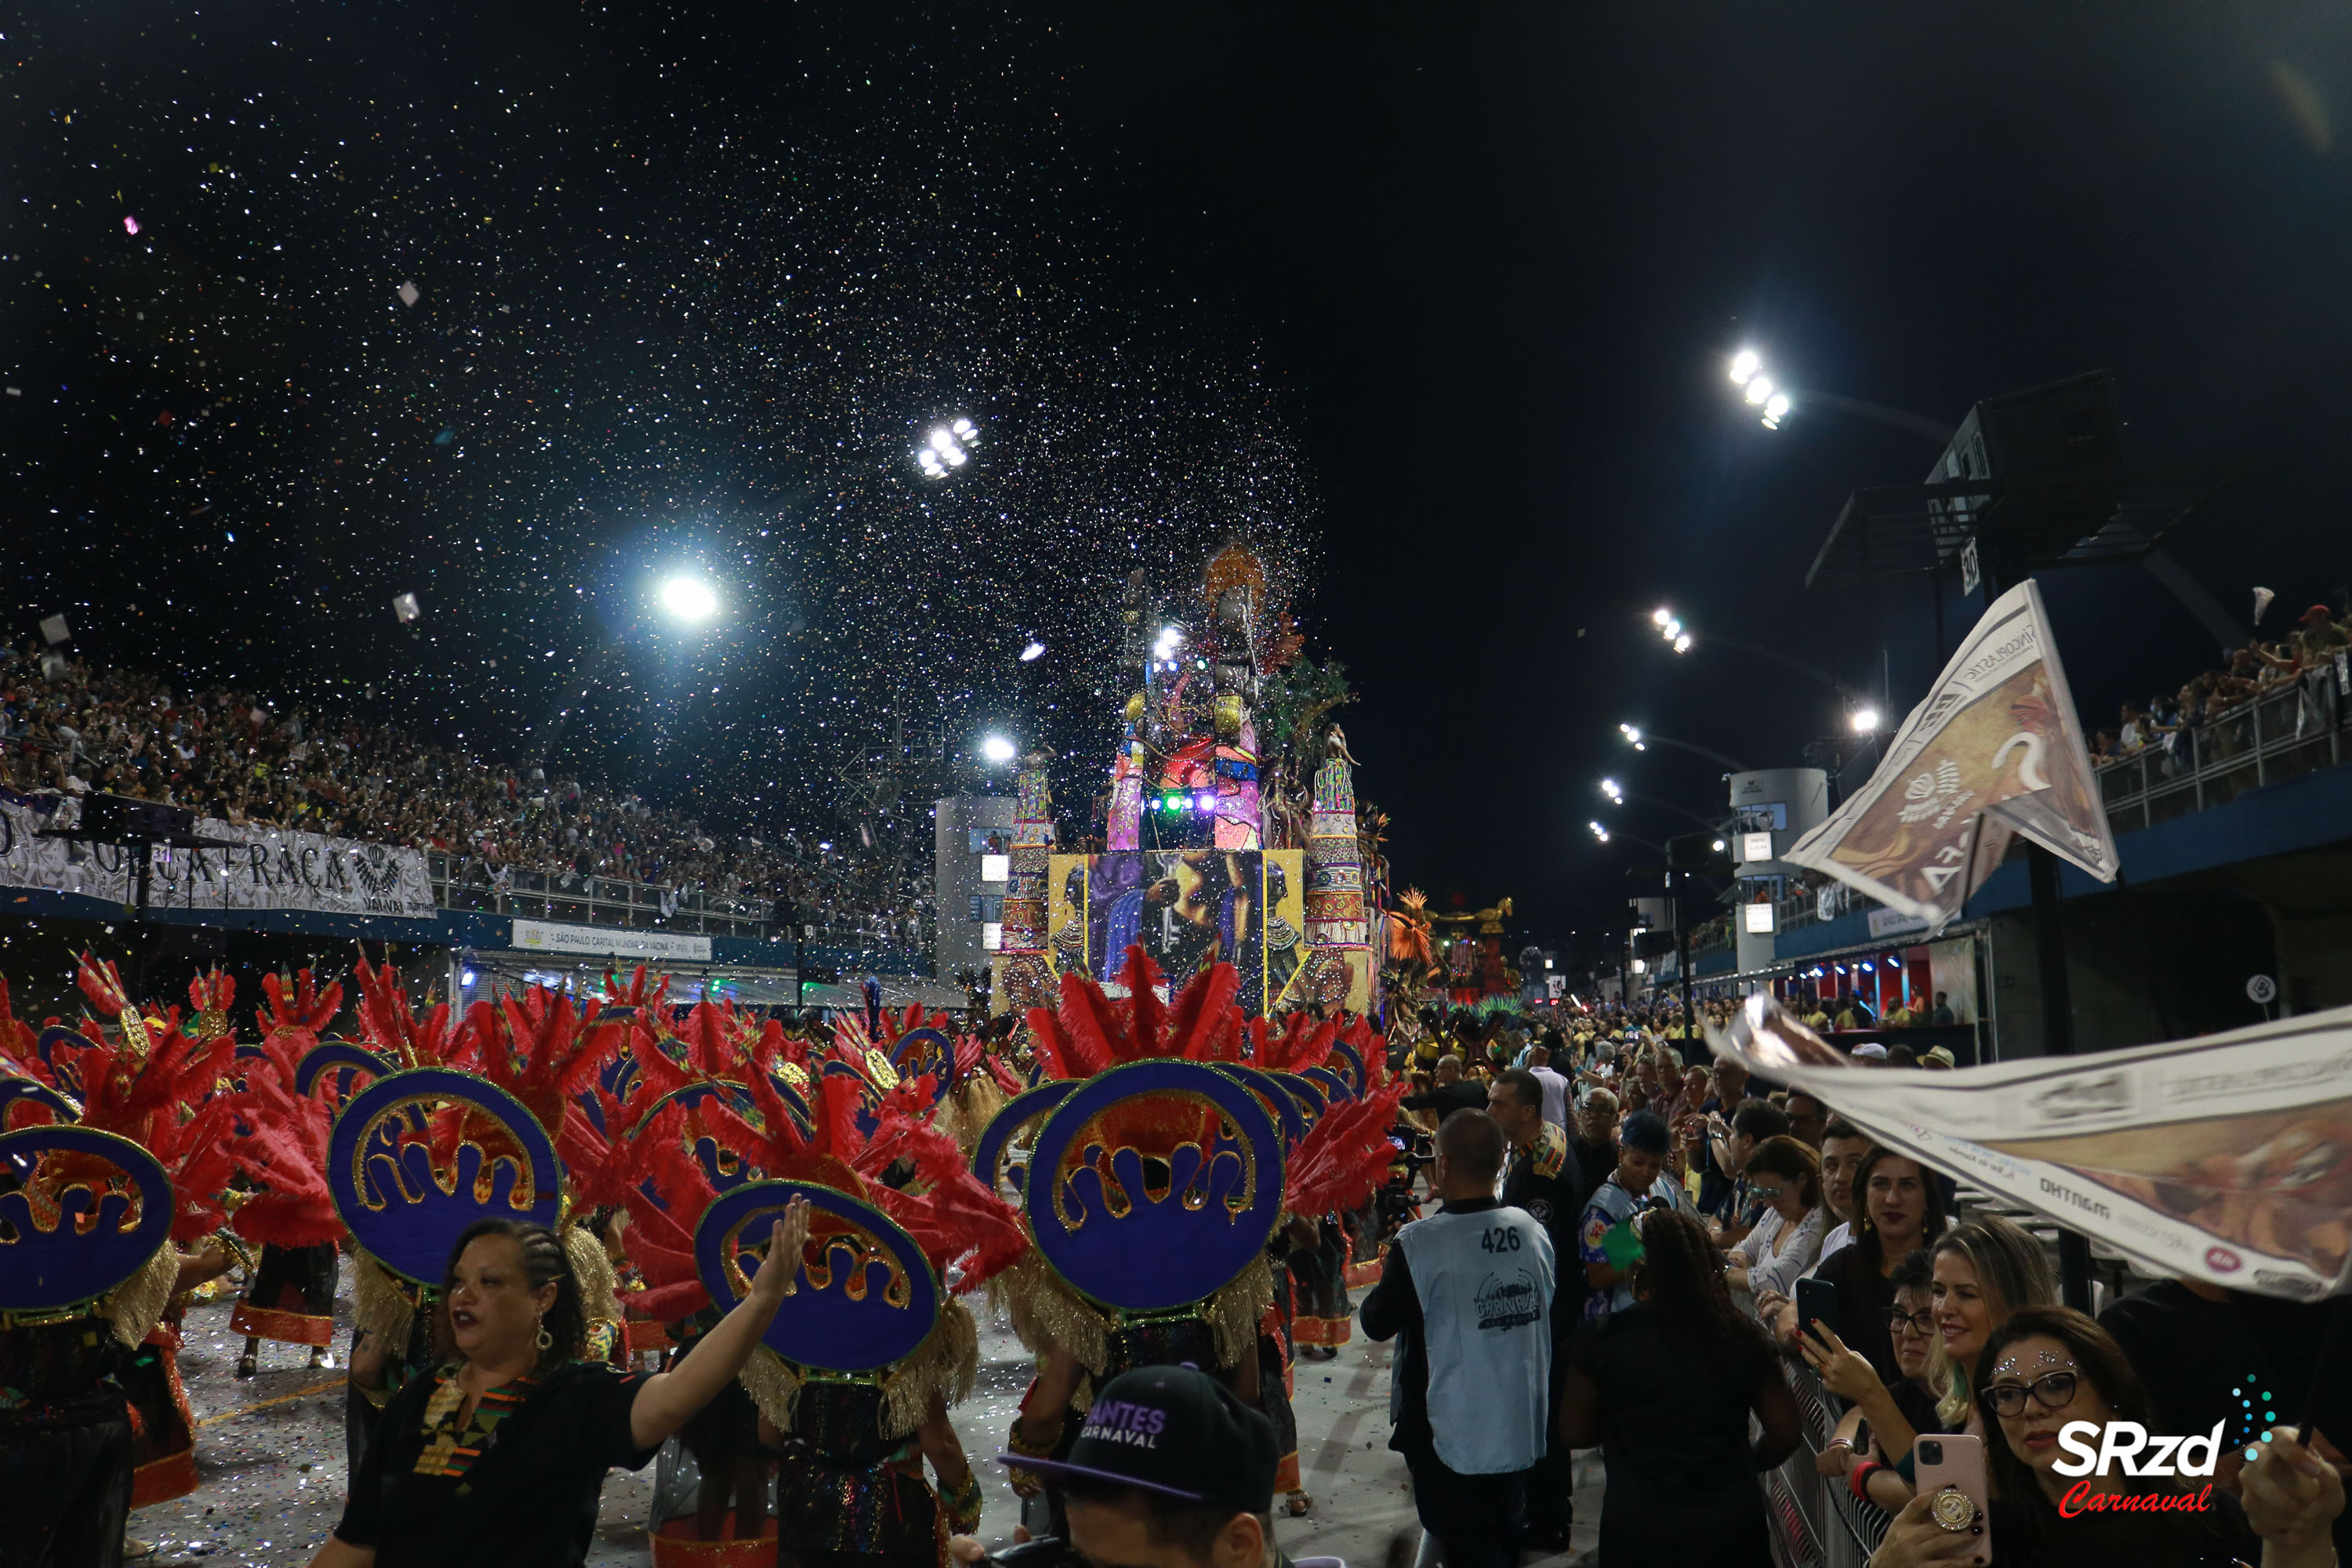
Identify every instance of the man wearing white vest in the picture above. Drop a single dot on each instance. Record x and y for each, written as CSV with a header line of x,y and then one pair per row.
x,y
1467,1292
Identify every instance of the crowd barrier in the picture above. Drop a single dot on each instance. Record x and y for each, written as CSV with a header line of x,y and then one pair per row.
x,y
1817,1522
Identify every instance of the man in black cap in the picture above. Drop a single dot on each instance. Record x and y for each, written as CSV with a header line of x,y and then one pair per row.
x,y
1169,1471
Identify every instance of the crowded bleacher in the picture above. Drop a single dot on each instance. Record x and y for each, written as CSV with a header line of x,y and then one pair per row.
x,y
69,728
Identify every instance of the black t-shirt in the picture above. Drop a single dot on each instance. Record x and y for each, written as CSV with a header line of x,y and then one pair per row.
x,y
1462,1094
526,1496
1673,1435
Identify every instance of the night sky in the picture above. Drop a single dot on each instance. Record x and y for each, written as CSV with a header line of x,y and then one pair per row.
x,y
1431,303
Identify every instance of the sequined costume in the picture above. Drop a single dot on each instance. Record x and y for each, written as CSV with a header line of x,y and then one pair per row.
x,y
844,1490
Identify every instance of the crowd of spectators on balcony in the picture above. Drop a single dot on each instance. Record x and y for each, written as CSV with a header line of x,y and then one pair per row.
x,y
68,728
2249,674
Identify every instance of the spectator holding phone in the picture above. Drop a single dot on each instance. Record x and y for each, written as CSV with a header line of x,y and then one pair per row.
x,y
1900,1207
2048,1366
1897,1409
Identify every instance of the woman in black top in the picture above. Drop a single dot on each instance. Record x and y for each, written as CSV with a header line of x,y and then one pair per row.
x,y
498,1459
1900,1206
2047,1368
1666,1387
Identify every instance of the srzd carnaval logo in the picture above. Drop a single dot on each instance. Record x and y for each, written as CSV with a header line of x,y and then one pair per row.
x,y
2092,1449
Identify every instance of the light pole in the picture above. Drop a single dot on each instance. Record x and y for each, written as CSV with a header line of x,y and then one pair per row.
x,y
1609,834
1680,638
1641,740
1618,796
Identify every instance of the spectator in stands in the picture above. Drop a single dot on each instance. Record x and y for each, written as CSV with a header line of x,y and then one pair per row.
x,y
1901,1056
1784,1176
1943,1016
1843,1147
1595,1144
1897,1409
2050,1367
1984,1271
1901,1208
1667,1386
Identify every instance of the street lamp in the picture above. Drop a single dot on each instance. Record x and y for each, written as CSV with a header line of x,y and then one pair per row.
x,y
1680,638
1599,832
1640,739
1619,795
1759,389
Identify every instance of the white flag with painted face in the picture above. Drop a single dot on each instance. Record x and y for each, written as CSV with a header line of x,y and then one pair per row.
x,y
1995,750
2226,1158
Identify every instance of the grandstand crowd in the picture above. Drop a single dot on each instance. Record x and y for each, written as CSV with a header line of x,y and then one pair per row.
x,y
67,727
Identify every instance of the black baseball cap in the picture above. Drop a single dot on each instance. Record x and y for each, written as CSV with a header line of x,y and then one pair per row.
x,y
1174,1430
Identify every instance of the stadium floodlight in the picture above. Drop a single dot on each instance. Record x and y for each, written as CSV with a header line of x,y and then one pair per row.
x,y
1599,832
947,448
998,749
1614,791
1761,392
1865,721
689,598
1632,737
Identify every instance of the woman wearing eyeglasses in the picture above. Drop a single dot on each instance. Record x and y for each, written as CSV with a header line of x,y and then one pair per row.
x,y
1897,1409
1786,1174
2047,1367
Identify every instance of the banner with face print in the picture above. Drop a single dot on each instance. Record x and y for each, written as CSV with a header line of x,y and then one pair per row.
x,y
2226,1158
1995,750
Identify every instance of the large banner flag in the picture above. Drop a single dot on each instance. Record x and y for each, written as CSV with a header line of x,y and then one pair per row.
x,y
2226,1158
1995,750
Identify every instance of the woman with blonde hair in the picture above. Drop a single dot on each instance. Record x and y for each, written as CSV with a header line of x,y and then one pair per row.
x,y
1984,1272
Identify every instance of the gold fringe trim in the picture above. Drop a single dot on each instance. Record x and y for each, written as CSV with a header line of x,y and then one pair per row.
x,y
592,1271
1235,1310
965,1111
137,1304
382,1307
944,1366
774,1386
1045,1312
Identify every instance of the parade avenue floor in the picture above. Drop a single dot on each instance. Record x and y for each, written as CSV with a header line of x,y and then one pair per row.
x,y
270,1453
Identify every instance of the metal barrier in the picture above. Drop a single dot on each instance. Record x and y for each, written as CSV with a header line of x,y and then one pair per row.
x,y
468,884
2293,731
1817,1522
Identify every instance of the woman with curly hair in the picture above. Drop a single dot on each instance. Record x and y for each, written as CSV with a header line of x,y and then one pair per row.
x,y
1666,1388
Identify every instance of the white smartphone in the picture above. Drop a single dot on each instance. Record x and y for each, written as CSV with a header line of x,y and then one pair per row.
x,y
1956,1462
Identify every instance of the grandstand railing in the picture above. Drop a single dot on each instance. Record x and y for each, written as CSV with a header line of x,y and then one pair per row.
x,y
2284,734
461,883
1816,1519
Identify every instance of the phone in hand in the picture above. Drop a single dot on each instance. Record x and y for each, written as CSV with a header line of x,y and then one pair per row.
x,y
1817,1300
1955,1462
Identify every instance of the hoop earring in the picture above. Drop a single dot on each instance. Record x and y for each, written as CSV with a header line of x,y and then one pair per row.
x,y
546,1340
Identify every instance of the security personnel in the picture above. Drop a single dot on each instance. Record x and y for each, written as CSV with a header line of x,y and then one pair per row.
x,y
1545,1181
1468,1290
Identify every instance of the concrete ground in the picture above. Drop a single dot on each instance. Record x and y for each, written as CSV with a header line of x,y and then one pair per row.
x,y
269,1452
